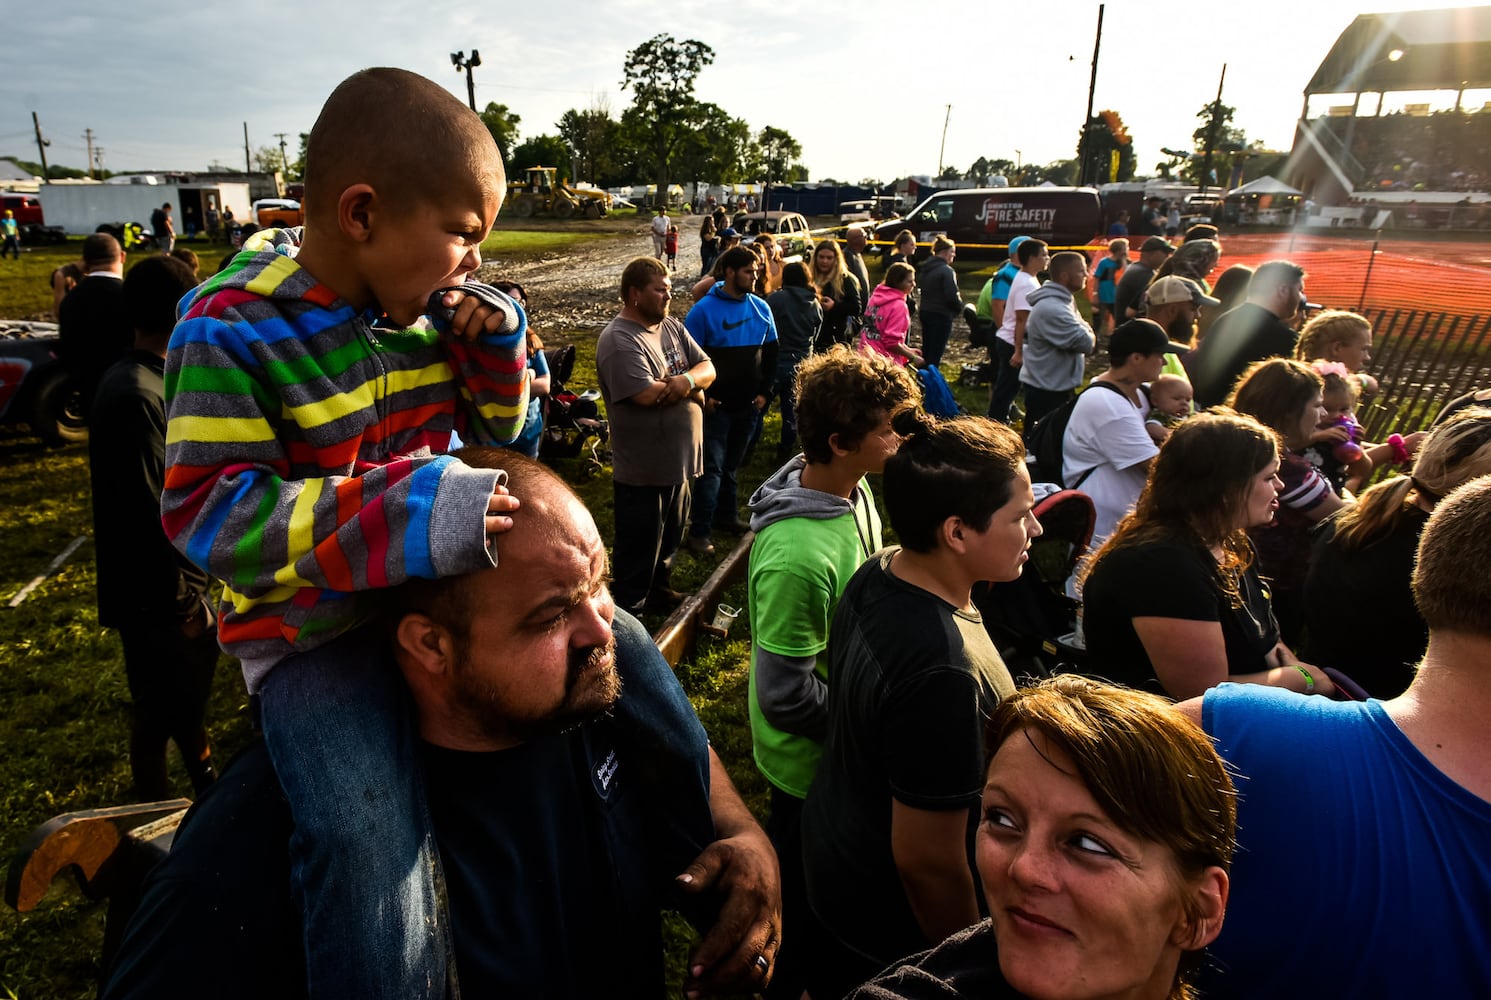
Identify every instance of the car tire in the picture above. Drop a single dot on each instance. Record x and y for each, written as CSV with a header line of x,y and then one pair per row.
x,y
57,411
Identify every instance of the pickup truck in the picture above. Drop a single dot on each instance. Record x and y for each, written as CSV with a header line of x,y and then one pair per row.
x,y
277,213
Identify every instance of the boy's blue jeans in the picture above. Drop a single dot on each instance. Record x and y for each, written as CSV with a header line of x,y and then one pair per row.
x,y
365,869
363,865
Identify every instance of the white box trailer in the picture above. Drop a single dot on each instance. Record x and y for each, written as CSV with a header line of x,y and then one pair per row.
x,y
81,208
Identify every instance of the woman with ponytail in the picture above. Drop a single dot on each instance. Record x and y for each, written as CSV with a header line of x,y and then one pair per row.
x,y
1360,616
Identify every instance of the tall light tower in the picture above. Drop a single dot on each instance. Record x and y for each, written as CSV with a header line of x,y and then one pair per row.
x,y
460,62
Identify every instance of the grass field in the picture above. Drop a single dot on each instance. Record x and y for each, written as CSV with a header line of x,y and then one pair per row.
x,y
26,290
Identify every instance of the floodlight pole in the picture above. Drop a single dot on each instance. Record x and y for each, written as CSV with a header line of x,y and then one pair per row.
x,y
1211,132
943,148
1092,86
461,62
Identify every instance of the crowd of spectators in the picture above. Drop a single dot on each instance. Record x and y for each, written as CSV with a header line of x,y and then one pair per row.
x,y
487,779
1444,151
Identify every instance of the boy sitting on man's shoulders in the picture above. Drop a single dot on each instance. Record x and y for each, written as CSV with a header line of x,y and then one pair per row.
x,y
310,400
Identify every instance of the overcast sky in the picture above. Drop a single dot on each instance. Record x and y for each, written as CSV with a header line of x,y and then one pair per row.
x,y
862,85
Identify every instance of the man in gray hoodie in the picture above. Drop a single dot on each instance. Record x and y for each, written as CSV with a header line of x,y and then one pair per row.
x,y
815,522
1057,339
940,302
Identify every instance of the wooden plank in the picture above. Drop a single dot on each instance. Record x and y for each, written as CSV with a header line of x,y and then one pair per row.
x,y
55,565
83,841
676,636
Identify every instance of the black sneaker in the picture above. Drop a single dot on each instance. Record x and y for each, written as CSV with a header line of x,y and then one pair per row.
x,y
664,599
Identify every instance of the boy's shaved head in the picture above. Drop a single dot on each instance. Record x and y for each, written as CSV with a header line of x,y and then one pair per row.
x,y
404,135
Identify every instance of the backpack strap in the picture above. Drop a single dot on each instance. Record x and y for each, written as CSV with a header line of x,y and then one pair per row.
x,y
1077,484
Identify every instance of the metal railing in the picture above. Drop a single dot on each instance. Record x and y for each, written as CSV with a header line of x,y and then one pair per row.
x,y
1423,360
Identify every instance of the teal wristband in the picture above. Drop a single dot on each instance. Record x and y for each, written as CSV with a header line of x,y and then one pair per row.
x,y
692,384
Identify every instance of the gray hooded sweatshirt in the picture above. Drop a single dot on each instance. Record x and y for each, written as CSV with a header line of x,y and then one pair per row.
x,y
1056,340
789,690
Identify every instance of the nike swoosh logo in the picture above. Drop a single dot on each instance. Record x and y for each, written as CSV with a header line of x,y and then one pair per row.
x,y
732,326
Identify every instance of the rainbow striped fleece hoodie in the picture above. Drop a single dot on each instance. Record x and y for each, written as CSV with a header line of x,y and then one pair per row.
x,y
302,450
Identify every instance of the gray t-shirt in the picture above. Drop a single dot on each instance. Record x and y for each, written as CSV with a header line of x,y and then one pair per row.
x,y
650,445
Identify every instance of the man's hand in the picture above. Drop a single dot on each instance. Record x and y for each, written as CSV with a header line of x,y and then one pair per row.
x,y
760,403
676,388
1017,359
473,318
500,504
737,953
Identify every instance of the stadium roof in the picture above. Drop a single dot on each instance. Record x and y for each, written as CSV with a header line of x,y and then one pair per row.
x,y
1441,50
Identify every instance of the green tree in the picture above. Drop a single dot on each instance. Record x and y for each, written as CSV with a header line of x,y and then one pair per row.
x,y
1059,172
54,171
592,134
541,151
774,153
1217,145
950,173
267,159
716,146
503,124
295,169
1109,154
984,169
661,74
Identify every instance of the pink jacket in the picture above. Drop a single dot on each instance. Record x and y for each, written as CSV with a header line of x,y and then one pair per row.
x,y
887,321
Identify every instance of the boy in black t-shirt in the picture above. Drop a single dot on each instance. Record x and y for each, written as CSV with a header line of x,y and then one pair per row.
x,y
914,675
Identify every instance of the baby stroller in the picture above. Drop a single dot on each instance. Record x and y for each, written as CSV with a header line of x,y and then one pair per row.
x,y
572,421
1028,618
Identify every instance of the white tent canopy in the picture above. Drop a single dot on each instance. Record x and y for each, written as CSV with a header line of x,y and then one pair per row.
x,y
1264,185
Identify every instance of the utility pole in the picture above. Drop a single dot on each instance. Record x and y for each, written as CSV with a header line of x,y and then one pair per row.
x,y
88,137
1092,86
284,160
943,148
460,62
246,167
41,147
1211,131
98,158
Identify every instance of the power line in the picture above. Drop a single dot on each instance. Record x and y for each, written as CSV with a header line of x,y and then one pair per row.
x,y
514,86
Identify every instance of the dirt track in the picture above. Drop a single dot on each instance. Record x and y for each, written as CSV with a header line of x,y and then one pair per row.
x,y
575,289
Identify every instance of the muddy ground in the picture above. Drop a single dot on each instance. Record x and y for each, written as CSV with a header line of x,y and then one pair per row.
x,y
574,292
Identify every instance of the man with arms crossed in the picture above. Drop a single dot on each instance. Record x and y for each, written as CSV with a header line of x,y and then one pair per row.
x,y
652,375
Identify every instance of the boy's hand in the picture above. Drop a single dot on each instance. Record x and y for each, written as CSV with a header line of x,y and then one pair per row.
x,y
499,505
471,317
